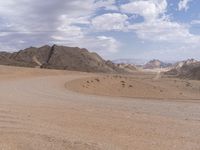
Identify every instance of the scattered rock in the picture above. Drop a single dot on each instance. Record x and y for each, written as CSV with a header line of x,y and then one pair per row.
x,y
123,82
97,80
188,84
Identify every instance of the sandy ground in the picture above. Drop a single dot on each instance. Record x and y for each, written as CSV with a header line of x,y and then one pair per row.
x,y
37,112
139,85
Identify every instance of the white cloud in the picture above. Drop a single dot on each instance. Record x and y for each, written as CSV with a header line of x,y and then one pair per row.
x,y
166,31
106,4
66,29
104,45
78,23
150,10
195,22
109,43
157,26
62,21
39,22
2,34
41,15
111,21
183,5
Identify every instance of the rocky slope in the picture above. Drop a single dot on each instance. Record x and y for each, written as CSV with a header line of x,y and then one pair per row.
x,y
60,57
127,67
186,69
156,64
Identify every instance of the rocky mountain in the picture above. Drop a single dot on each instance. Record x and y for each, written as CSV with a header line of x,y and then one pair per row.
x,y
60,57
180,64
186,69
156,64
128,67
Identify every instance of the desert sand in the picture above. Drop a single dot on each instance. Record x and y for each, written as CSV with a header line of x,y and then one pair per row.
x,y
149,85
51,110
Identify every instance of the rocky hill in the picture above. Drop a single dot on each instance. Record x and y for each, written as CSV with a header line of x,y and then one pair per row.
x,y
60,57
186,69
128,67
156,64
180,64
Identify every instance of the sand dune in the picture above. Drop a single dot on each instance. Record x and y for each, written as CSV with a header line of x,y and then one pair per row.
x,y
38,112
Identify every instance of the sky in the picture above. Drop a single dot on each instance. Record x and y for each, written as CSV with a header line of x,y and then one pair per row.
x,y
168,30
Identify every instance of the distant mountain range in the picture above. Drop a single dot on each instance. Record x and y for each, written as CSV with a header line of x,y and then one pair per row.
x,y
152,64
188,69
77,59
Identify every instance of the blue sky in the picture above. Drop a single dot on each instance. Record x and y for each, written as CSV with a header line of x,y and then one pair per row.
x,y
140,29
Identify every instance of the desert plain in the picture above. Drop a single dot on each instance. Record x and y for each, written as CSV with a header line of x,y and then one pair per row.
x,y
65,110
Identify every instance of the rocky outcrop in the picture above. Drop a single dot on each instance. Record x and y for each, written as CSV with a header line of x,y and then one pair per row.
x,y
29,56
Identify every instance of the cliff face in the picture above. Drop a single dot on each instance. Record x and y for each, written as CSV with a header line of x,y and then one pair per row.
x,y
59,57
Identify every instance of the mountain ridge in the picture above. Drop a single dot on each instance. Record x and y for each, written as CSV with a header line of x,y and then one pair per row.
x,y
60,57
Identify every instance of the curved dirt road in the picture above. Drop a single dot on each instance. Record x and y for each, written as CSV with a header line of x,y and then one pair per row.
x,y
38,113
